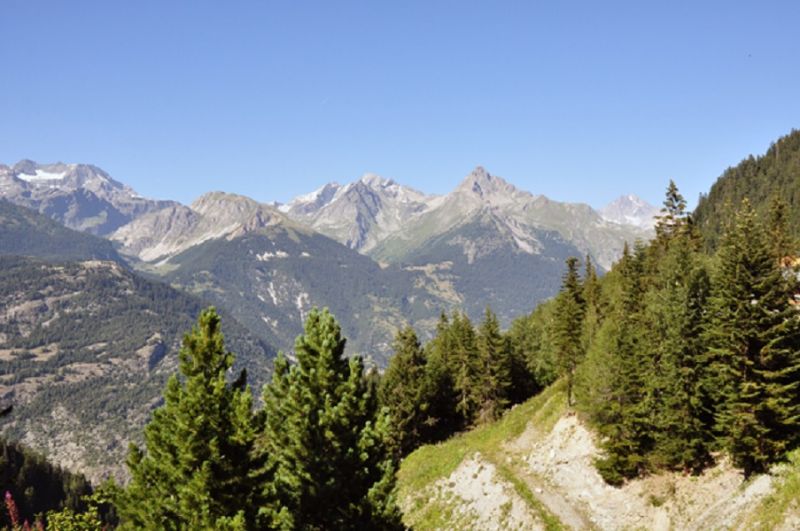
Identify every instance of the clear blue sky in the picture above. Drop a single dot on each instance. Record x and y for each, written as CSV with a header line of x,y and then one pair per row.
x,y
581,101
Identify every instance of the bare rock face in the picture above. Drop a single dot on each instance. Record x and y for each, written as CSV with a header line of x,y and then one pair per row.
x,y
81,196
164,233
361,214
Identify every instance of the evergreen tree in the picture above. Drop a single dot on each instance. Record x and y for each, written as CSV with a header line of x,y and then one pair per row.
x,y
755,339
677,314
595,306
439,375
196,472
624,419
405,390
783,245
673,215
570,309
466,368
521,342
334,468
494,352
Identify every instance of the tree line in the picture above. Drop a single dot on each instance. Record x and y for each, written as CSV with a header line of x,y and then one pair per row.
x,y
323,450
677,354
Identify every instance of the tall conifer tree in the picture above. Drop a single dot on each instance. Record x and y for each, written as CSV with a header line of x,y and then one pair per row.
x,y
406,391
198,470
755,341
677,314
625,420
334,466
495,353
466,367
570,309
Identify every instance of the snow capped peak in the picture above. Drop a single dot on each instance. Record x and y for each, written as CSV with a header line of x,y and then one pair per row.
x,y
630,209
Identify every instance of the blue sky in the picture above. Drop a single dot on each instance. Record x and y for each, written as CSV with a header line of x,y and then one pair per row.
x,y
581,101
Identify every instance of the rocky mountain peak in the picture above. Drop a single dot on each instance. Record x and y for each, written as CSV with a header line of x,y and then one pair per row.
x,y
81,196
488,188
375,181
26,166
631,209
236,211
210,202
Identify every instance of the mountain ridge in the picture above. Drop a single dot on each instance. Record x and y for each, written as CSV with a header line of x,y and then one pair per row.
x,y
81,196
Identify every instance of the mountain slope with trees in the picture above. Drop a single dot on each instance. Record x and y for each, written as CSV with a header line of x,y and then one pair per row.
x,y
82,377
760,179
25,232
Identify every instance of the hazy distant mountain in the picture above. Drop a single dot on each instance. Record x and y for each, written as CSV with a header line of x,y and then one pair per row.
x,y
270,271
361,214
631,210
81,196
171,230
519,215
485,243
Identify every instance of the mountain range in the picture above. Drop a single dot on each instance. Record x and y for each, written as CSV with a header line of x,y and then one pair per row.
x,y
86,344
377,253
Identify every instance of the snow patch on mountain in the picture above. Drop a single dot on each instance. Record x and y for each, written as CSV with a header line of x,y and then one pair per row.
x,y
42,175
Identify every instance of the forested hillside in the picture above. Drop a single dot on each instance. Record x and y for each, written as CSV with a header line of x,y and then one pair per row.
x,y
679,362
26,232
269,279
85,348
36,486
676,355
759,179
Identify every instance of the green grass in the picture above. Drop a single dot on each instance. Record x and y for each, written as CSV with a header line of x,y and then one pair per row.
x,y
785,497
431,463
551,523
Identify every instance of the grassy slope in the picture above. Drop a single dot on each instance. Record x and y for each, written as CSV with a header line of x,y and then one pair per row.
x,y
429,464
432,463
783,504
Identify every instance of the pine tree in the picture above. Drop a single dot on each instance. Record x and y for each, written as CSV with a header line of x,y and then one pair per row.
x,y
439,375
783,245
495,355
673,214
624,418
405,390
595,306
334,468
196,472
674,315
755,340
570,309
466,368
677,315
521,342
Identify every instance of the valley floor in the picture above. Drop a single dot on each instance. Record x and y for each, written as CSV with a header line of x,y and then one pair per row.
x,y
533,469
